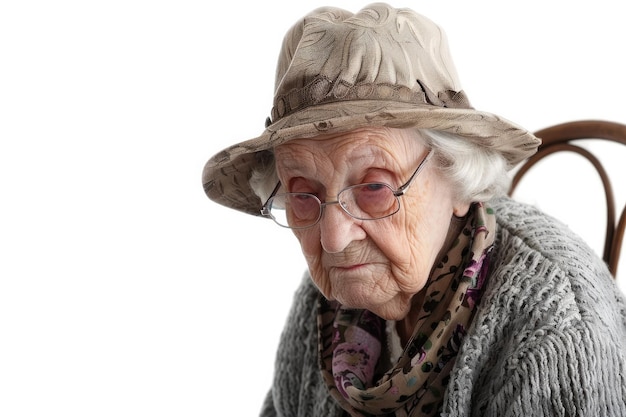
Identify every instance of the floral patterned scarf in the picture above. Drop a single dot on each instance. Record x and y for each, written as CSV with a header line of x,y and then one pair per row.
x,y
352,340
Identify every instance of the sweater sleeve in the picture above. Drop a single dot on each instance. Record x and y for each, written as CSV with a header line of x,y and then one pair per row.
x,y
567,372
268,409
297,388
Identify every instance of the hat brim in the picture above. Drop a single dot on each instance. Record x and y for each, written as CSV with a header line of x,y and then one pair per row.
x,y
226,175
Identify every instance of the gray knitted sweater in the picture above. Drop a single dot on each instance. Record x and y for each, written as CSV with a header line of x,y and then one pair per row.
x,y
548,339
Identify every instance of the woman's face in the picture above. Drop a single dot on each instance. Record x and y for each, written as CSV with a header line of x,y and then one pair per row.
x,y
370,264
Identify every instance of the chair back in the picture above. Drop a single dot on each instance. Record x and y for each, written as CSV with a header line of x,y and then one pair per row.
x,y
568,137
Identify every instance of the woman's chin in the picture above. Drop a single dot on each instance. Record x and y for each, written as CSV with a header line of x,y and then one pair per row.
x,y
383,307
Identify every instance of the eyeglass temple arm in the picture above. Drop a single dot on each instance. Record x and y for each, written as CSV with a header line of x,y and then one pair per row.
x,y
400,191
264,210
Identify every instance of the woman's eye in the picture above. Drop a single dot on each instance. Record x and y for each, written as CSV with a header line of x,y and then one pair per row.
x,y
303,206
374,187
304,198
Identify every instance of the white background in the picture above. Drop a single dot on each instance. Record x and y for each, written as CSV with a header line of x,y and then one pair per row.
x,y
123,290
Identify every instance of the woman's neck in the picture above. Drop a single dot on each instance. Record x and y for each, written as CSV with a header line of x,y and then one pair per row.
x,y
406,326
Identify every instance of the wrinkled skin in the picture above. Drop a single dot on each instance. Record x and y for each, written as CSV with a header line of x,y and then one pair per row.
x,y
379,265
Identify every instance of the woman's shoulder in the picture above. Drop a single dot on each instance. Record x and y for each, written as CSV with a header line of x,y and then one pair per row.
x,y
540,265
303,304
529,222
551,320
524,229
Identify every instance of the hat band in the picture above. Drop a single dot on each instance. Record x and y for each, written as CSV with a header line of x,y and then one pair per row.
x,y
323,90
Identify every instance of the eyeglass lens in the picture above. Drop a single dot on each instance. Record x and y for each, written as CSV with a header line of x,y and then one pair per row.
x,y
363,201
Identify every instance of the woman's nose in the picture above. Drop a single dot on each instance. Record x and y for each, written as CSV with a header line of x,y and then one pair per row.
x,y
338,229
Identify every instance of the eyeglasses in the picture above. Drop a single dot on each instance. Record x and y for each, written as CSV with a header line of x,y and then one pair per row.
x,y
369,201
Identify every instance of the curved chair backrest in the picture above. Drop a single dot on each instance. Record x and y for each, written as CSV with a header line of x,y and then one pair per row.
x,y
562,137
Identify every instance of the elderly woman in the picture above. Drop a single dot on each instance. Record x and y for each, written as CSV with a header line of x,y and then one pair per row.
x,y
428,292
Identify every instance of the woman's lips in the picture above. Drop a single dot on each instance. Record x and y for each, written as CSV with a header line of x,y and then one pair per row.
x,y
352,267
349,267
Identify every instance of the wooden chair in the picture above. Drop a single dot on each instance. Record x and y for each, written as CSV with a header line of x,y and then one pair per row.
x,y
568,137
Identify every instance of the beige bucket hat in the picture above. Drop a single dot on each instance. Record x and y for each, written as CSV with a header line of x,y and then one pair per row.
x,y
338,71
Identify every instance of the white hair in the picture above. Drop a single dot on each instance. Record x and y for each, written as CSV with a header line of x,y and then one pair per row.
x,y
475,172
263,178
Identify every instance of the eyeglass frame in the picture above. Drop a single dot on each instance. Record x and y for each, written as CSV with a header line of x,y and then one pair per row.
x,y
399,192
